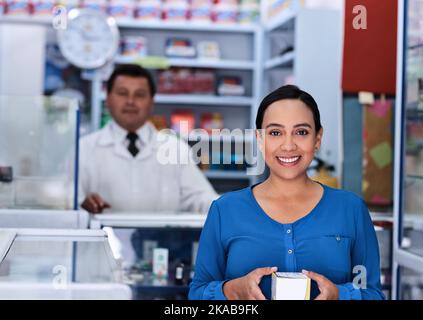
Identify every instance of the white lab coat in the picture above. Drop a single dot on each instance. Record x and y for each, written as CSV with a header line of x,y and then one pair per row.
x,y
141,184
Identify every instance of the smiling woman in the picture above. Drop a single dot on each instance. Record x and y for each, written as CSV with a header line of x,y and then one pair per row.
x,y
289,222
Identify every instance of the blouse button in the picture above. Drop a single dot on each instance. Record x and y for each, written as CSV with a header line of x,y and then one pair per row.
x,y
290,251
288,231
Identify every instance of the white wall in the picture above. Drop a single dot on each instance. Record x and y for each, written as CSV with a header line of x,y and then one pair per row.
x,y
329,4
318,71
22,59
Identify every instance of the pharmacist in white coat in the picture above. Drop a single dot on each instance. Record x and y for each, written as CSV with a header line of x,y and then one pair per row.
x,y
125,167
128,166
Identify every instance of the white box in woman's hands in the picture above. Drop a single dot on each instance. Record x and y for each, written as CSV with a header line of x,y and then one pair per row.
x,y
290,286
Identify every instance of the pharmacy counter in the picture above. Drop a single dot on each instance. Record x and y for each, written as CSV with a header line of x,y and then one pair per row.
x,y
44,219
58,264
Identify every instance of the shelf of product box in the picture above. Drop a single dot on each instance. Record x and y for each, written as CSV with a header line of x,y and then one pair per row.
x,y
281,19
195,63
188,26
148,220
203,100
198,99
286,60
226,174
153,25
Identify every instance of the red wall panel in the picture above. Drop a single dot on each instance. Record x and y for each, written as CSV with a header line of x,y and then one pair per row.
x,y
370,55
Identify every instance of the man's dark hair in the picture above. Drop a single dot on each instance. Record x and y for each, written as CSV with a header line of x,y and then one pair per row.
x,y
289,92
131,70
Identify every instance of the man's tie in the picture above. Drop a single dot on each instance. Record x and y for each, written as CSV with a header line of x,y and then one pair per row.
x,y
132,148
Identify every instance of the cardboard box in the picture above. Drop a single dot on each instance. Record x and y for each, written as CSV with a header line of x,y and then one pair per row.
x,y
160,262
290,286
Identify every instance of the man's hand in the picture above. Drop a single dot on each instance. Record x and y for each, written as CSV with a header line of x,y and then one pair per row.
x,y
328,290
94,203
247,287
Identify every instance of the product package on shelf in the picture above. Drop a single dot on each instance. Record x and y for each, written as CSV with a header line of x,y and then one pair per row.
x,y
121,9
249,11
209,50
186,81
226,12
201,11
159,121
70,4
134,46
43,7
175,10
150,10
160,262
182,122
204,82
277,6
2,7
179,48
230,86
97,5
211,121
18,7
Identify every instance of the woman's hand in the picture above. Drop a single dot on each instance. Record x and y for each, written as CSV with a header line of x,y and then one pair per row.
x,y
247,287
328,290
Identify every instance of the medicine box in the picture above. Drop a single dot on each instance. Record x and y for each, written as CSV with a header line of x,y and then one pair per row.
x,y
160,262
290,286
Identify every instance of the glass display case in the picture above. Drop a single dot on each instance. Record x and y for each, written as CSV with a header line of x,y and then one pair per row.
x,y
134,238
59,264
38,152
44,219
408,204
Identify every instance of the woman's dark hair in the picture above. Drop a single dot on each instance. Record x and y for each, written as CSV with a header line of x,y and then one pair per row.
x,y
289,92
131,70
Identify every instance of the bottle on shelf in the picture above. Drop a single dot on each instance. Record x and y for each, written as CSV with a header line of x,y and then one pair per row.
x,y
179,274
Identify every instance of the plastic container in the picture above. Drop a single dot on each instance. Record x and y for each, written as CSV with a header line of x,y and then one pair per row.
x,y
225,13
18,7
176,11
121,9
2,7
249,12
134,46
148,10
42,7
201,13
96,5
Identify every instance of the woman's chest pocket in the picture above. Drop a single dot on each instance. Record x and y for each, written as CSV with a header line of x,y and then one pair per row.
x,y
329,252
